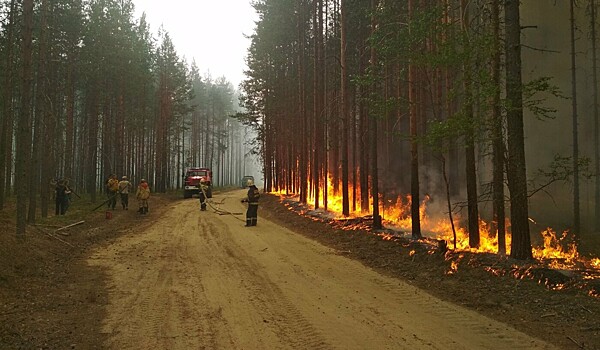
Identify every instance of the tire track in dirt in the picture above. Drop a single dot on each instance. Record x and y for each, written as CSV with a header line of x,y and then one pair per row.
x,y
266,299
198,280
157,302
356,308
437,314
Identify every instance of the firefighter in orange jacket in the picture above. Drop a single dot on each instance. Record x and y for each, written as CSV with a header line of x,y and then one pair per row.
x,y
112,189
142,194
203,187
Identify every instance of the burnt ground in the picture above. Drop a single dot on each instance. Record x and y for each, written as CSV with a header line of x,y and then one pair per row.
x,y
51,298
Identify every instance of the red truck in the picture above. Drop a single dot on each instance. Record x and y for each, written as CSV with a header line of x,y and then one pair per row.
x,y
191,181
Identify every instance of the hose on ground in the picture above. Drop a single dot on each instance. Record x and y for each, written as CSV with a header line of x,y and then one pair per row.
x,y
218,210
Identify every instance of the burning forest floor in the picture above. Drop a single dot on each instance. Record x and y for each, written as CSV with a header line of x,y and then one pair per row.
x,y
557,305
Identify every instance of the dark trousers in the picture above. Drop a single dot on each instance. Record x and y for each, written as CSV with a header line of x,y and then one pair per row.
x,y
125,200
143,203
61,206
202,200
112,200
252,214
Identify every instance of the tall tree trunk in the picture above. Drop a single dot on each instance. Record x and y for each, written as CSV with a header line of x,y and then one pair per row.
x,y
454,174
92,144
517,175
6,128
70,115
23,154
363,130
576,209
373,130
326,108
596,121
344,108
318,100
40,111
354,156
119,131
180,154
497,139
471,170
304,174
414,147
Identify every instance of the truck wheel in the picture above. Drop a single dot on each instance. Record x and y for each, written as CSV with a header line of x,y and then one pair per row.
x,y
187,194
209,193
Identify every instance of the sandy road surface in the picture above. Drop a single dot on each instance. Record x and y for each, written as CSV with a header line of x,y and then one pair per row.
x,y
199,280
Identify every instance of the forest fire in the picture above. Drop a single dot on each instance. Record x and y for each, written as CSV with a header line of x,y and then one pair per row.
x,y
453,267
555,249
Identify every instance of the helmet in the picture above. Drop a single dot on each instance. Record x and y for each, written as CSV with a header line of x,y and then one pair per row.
x,y
250,182
143,180
124,177
202,179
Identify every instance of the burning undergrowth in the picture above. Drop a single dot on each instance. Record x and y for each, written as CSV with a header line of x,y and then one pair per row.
x,y
557,264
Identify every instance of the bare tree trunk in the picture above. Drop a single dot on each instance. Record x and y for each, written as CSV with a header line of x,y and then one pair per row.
x,y
23,155
344,108
318,100
453,162
119,132
354,156
596,122
304,175
69,126
92,144
374,136
180,154
471,171
448,201
6,128
576,209
414,147
363,130
40,111
497,139
517,175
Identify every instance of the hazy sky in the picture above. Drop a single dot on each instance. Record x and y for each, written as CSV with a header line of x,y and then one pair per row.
x,y
209,31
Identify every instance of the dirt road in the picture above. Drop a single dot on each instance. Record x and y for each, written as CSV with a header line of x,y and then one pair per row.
x,y
199,280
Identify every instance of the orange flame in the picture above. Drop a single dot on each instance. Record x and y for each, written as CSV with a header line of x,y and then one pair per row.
x,y
555,250
453,268
397,213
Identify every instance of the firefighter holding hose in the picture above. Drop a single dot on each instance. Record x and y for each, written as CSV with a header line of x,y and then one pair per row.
x,y
252,200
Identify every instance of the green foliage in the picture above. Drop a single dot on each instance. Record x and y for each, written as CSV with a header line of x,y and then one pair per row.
x,y
441,132
536,94
560,169
116,68
429,43
404,40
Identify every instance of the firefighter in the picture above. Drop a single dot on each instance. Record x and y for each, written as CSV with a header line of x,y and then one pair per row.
x,y
124,188
142,194
252,200
202,193
62,197
112,189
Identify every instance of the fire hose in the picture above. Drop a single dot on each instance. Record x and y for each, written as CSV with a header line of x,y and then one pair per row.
x,y
216,209
106,201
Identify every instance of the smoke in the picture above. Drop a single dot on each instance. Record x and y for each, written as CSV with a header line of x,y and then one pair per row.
x,y
546,52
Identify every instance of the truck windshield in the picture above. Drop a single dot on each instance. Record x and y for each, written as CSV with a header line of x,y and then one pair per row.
x,y
196,173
